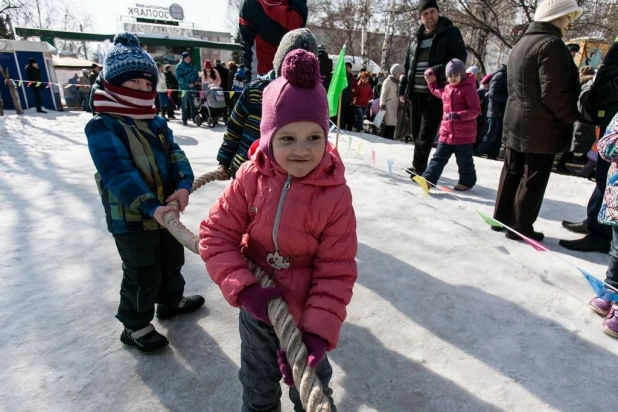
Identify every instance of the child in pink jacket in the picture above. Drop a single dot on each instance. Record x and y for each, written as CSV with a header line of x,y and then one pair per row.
x,y
461,107
289,210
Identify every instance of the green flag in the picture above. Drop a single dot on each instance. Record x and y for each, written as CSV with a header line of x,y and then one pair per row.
x,y
489,220
337,84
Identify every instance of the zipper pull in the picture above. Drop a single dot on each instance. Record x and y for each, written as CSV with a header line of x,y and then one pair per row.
x,y
288,182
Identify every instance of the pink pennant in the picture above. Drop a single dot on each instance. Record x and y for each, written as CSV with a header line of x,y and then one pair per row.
x,y
48,85
443,188
538,246
373,156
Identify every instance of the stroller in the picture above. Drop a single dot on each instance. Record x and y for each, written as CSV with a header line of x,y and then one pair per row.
x,y
210,106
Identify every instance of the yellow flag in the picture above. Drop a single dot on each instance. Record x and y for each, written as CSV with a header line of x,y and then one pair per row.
x,y
423,183
358,149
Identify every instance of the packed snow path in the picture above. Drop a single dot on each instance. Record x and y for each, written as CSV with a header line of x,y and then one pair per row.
x,y
447,315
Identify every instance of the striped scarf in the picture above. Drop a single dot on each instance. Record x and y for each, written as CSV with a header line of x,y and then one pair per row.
x,y
124,102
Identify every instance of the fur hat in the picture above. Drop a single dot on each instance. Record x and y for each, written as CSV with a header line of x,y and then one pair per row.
x,y
427,4
550,10
127,60
456,66
396,68
299,86
293,40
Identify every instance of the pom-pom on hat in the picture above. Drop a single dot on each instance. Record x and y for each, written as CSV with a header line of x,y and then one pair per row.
x,y
127,60
550,10
296,96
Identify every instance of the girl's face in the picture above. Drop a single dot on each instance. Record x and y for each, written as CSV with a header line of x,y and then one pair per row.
x,y
141,85
454,79
299,147
365,80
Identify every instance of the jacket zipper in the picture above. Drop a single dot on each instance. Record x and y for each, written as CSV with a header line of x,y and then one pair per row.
x,y
284,194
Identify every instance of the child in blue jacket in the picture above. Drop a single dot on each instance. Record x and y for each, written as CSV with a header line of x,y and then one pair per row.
x,y
139,170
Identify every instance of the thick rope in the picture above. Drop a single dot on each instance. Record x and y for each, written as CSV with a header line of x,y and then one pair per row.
x,y
306,381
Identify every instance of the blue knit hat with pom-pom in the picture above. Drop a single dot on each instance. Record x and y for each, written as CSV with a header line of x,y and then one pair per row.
x,y
126,60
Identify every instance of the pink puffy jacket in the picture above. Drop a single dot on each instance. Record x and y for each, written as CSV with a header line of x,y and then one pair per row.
x,y
462,99
316,239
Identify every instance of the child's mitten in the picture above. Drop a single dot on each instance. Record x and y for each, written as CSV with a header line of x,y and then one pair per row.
x,y
285,369
429,72
316,346
255,300
453,116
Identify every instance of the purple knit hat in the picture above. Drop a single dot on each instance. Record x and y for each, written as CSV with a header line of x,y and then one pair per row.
x,y
296,96
456,66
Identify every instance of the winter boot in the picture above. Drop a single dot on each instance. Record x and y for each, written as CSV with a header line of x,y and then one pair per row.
x,y
610,324
146,339
187,304
538,236
601,305
461,188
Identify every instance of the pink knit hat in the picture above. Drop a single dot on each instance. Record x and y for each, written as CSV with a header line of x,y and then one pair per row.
x,y
296,96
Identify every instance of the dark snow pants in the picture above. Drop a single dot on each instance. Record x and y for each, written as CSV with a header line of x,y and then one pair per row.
x,y
259,371
151,263
463,155
598,233
426,118
522,188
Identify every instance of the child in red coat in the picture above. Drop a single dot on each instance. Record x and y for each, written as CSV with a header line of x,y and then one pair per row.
x,y
461,107
292,211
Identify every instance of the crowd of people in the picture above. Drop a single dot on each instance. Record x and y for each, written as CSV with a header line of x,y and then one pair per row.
x,y
280,156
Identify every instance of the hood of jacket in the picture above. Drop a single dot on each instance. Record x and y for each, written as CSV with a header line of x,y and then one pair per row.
x,y
329,172
541,27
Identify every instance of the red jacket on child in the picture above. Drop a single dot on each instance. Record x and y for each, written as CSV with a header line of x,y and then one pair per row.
x,y
463,100
317,231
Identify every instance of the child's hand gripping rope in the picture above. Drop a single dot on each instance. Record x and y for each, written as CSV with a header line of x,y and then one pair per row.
x,y
255,300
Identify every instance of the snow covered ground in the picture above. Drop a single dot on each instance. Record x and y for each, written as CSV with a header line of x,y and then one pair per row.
x,y
447,315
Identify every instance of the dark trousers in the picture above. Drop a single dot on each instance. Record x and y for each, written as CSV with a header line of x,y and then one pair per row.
x,y
494,134
389,132
187,105
259,371
151,263
463,154
38,99
611,277
597,232
426,118
85,96
347,117
360,113
522,188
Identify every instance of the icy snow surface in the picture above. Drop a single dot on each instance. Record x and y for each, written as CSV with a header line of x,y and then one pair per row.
x,y
447,315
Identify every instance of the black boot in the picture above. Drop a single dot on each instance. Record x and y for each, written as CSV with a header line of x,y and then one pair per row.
x,y
146,340
187,304
576,227
538,236
586,244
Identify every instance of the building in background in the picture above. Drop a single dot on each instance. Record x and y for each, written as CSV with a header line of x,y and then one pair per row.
x,y
169,22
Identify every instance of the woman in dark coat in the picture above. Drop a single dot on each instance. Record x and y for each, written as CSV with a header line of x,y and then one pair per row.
x,y
543,86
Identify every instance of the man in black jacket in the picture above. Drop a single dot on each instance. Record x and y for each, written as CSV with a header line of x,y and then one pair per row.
x,y
435,43
601,106
34,75
326,64
223,73
498,95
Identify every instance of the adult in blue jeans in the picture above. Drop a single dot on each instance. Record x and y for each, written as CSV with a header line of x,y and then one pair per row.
x,y
187,80
498,95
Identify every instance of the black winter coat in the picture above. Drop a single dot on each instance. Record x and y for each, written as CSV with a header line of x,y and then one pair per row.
x,y
602,102
171,81
223,73
326,64
230,77
498,94
543,86
34,75
447,45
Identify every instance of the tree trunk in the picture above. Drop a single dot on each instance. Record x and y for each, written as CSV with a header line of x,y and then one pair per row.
x,y
12,90
387,37
364,37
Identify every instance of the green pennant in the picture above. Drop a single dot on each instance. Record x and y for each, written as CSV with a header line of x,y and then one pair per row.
x,y
490,221
337,84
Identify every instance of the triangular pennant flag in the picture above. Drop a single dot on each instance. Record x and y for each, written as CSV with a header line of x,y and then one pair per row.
x,y
373,156
490,221
169,93
600,289
423,183
359,147
19,83
38,84
48,85
183,93
333,127
538,246
29,83
349,143
444,188
390,164
67,86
